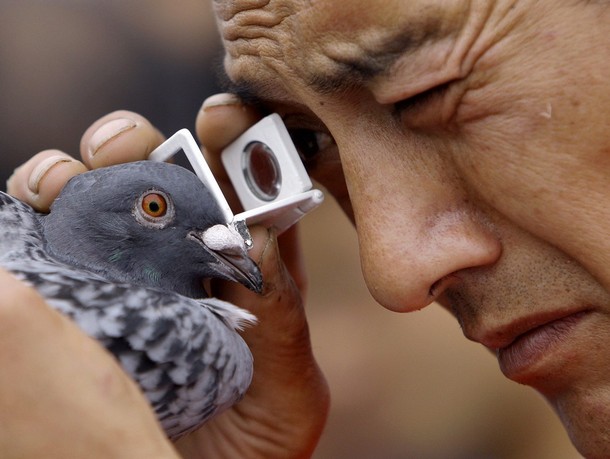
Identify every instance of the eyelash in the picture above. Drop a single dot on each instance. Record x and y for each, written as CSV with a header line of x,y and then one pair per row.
x,y
431,110
418,101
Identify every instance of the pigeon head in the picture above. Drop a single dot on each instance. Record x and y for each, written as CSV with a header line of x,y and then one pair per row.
x,y
147,223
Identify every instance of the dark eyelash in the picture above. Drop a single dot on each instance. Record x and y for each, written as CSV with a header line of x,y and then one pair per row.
x,y
419,100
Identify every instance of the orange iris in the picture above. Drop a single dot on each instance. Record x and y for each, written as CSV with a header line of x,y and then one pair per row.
x,y
154,205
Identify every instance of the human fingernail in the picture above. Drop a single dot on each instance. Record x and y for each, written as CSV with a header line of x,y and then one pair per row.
x,y
261,238
42,168
270,244
220,100
109,131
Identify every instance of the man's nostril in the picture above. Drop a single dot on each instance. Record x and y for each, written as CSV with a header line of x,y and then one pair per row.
x,y
441,285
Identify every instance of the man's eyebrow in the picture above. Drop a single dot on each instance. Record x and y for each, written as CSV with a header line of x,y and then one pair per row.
x,y
349,72
346,74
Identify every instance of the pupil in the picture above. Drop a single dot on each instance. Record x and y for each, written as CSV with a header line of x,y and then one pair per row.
x,y
306,143
154,207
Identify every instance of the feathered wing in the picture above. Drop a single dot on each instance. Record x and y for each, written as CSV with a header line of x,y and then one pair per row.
x,y
20,230
188,360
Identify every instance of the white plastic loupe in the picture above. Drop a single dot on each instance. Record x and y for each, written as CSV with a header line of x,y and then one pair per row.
x,y
265,170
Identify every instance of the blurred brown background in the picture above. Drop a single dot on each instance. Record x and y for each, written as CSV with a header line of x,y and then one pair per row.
x,y
404,386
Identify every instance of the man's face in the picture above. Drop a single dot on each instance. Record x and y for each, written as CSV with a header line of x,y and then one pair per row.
x,y
472,150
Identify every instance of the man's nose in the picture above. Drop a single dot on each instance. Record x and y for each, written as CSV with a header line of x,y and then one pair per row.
x,y
418,232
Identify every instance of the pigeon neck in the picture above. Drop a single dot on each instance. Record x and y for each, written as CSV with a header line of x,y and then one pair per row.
x,y
66,244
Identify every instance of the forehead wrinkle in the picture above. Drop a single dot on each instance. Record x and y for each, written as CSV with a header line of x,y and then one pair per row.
x,y
247,19
256,36
228,9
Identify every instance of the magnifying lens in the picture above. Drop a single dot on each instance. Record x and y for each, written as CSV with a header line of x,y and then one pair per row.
x,y
261,171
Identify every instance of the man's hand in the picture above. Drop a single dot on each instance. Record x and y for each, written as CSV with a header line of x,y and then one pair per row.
x,y
285,409
61,394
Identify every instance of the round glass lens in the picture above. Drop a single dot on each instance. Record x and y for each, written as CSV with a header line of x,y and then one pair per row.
x,y
262,171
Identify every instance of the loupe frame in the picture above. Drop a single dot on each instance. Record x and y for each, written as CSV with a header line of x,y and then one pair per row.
x,y
295,199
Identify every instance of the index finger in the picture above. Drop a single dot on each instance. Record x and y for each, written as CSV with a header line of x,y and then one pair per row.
x,y
119,137
38,181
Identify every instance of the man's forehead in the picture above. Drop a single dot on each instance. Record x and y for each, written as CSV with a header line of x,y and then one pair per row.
x,y
274,45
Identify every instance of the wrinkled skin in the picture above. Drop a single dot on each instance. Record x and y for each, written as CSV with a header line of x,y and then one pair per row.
x,y
472,150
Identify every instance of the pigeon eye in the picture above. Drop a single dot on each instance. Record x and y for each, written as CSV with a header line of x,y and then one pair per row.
x,y
154,209
154,205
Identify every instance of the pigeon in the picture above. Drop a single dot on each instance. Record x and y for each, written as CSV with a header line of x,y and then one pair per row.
x,y
124,252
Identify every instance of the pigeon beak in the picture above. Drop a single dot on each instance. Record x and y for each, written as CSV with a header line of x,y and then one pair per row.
x,y
228,247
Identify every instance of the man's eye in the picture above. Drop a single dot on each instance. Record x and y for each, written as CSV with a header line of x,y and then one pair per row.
x,y
428,110
418,101
310,143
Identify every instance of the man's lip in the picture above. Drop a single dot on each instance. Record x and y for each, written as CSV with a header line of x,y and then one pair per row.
x,y
503,336
520,359
534,346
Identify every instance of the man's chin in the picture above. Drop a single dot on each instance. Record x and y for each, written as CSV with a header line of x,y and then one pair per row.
x,y
585,414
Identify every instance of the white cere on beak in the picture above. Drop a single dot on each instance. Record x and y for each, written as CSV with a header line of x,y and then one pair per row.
x,y
221,238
